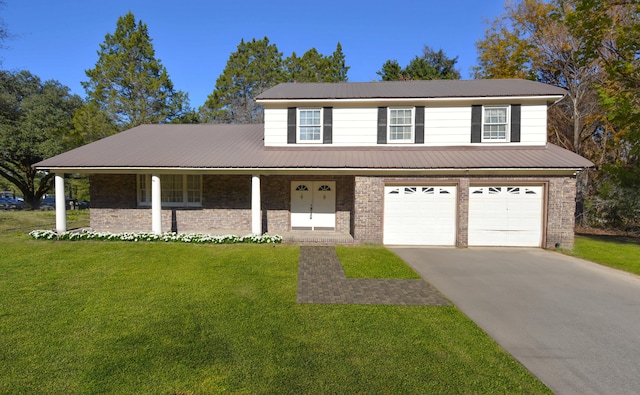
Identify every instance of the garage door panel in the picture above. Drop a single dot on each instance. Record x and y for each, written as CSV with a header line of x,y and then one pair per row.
x,y
505,216
419,215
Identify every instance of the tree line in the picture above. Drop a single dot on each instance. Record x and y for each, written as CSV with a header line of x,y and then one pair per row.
x,y
589,47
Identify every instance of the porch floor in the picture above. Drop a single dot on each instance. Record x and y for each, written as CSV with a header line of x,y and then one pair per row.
x,y
316,237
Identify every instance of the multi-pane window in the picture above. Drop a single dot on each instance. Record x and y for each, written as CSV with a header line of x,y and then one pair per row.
x,y
171,188
177,190
400,125
310,125
495,124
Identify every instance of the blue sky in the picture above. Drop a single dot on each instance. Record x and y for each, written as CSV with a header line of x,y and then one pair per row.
x,y
194,38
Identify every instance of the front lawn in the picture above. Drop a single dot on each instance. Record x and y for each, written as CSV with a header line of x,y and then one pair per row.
x,y
618,252
24,221
89,317
373,261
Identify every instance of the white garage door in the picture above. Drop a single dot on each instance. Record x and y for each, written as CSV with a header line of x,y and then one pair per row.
x,y
505,216
420,215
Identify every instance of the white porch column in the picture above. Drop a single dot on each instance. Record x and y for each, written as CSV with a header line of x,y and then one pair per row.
x,y
256,215
61,209
156,205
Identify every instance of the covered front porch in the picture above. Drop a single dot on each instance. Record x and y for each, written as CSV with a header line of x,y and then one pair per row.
x,y
237,204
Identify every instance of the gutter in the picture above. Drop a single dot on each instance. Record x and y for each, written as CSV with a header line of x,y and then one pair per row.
x,y
563,171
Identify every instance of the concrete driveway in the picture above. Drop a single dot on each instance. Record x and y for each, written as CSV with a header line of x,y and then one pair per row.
x,y
574,324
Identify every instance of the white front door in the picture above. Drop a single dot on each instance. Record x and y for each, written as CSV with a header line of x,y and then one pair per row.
x,y
313,205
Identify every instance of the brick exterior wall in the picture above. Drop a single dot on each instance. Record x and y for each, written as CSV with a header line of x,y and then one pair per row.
x,y
561,212
359,205
368,212
226,205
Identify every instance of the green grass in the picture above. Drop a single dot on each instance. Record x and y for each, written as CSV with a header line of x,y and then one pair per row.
x,y
17,222
373,261
89,317
618,252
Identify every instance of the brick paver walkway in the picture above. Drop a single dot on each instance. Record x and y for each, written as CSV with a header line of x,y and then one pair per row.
x,y
322,280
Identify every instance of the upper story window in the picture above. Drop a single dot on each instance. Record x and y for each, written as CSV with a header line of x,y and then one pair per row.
x,y
401,125
176,190
495,124
310,125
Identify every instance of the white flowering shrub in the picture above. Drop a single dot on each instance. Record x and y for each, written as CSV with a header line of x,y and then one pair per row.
x,y
197,238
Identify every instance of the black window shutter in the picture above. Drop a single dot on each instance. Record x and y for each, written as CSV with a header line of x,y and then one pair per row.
x,y
382,125
327,125
476,123
291,125
419,137
515,123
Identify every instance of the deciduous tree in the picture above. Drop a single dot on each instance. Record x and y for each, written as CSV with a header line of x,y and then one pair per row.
x,y
531,40
128,83
35,117
610,32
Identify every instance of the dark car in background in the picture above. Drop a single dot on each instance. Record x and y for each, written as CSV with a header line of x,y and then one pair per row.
x,y
7,203
49,203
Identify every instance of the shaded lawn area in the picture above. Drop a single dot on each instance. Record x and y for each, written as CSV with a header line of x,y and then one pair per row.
x,y
87,317
614,251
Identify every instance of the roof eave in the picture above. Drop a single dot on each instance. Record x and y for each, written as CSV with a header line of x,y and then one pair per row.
x,y
548,171
547,98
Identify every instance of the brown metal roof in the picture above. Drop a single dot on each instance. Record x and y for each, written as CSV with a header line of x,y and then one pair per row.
x,y
410,89
241,147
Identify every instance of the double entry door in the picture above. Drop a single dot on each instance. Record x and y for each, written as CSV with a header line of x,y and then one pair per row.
x,y
313,205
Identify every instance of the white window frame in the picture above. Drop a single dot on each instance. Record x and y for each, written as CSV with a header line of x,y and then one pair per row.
x,y
144,190
412,125
299,126
507,132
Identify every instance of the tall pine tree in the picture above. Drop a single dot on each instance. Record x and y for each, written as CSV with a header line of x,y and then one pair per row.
x,y
253,68
431,65
128,83
315,67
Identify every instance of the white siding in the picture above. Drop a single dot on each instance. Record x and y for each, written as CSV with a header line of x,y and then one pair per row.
x,y
447,125
533,125
275,126
444,126
355,126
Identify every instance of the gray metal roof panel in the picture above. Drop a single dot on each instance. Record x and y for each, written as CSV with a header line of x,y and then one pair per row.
x,y
410,90
241,147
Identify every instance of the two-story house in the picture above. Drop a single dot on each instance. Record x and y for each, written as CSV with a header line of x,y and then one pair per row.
x,y
457,163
